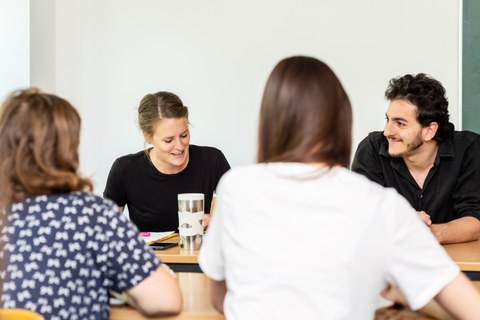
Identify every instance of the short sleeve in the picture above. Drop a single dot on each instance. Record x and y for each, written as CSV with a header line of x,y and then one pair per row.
x,y
129,259
211,258
419,265
224,166
115,188
218,166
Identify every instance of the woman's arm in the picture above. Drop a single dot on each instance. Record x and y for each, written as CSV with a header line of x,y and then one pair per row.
x,y
158,294
218,289
458,300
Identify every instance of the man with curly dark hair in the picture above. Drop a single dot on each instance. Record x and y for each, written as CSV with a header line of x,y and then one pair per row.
x,y
436,168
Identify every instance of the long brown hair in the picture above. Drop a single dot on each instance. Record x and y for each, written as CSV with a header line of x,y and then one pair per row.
x,y
305,115
39,139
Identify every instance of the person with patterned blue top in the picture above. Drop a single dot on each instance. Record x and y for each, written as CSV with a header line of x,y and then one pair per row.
x,y
63,247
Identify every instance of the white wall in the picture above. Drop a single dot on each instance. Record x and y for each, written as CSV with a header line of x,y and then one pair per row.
x,y
217,54
14,46
42,44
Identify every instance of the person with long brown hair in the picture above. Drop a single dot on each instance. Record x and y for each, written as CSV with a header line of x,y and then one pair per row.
x,y
300,236
65,248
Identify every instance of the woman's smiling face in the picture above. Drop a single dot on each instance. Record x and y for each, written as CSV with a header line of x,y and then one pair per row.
x,y
170,140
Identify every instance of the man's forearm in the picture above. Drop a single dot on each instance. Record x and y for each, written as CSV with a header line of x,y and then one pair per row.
x,y
460,230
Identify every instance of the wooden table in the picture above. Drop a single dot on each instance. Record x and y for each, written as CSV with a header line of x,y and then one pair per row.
x,y
467,257
179,260
196,302
410,315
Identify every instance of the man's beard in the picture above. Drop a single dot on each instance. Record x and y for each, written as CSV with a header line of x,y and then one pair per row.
x,y
417,143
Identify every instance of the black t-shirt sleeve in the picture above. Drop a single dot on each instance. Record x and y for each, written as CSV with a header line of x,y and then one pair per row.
x,y
222,167
116,188
367,160
217,164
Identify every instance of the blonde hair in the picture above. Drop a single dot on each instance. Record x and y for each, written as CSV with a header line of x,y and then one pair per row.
x,y
157,106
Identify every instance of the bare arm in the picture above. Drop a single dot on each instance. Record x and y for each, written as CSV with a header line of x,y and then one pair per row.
x,y
433,309
460,298
460,230
393,293
218,289
158,294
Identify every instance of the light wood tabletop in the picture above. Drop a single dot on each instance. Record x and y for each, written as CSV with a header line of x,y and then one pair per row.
x,y
196,302
385,314
177,255
466,255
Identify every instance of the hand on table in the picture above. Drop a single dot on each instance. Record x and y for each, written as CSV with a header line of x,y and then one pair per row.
x,y
393,293
425,217
388,314
395,311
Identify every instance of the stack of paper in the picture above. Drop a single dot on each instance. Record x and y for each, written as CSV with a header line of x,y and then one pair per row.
x,y
152,237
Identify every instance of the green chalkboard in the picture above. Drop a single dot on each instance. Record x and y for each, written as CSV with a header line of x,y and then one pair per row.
x,y
471,65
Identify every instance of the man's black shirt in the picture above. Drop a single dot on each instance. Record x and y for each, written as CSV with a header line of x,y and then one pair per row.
x,y
452,187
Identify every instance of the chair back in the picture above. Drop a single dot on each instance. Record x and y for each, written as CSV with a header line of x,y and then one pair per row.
x,y
19,314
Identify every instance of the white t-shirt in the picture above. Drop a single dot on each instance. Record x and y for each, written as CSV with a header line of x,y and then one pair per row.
x,y
296,241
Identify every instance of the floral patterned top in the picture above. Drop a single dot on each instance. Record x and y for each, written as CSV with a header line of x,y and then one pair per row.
x,y
65,252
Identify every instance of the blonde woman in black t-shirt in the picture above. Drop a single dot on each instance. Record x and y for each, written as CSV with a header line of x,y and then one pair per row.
x,y
149,181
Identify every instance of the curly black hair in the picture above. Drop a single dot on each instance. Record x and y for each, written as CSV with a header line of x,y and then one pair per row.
x,y
428,95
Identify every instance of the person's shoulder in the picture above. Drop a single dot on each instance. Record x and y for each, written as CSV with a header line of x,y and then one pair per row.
x,y
356,180
90,203
373,139
78,203
244,173
254,168
132,157
130,163
364,189
466,137
206,153
371,144
464,142
204,149
374,200
376,137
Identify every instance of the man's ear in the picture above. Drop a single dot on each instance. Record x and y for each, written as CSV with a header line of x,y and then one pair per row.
x,y
430,131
